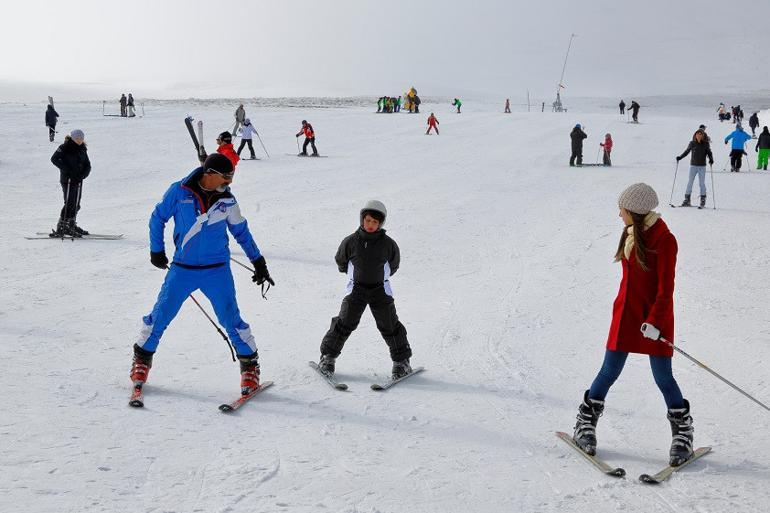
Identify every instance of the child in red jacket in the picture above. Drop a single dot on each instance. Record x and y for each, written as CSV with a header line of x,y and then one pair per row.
x,y
642,313
607,145
432,123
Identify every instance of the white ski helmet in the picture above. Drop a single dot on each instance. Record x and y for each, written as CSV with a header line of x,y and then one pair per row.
x,y
375,206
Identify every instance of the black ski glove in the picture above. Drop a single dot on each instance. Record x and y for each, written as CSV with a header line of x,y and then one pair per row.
x,y
678,158
261,274
711,162
159,259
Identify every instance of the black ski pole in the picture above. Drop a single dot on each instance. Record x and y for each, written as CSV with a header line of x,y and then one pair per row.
x,y
671,199
706,368
260,142
252,271
713,191
227,340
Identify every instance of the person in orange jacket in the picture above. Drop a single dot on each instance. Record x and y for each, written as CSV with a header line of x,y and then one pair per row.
x,y
225,147
432,123
307,130
607,145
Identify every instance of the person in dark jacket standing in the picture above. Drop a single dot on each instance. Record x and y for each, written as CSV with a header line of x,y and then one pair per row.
x,y
643,312
700,150
123,102
635,111
754,123
51,117
74,166
622,106
130,103
577,135
763,148
370,258
307,130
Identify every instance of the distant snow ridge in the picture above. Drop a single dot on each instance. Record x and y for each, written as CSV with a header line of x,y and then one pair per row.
x,y
305,102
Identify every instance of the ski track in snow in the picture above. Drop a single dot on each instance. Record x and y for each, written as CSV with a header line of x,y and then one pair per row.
x,y
506,288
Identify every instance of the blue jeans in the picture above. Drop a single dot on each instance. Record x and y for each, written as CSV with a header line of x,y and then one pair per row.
x,y
700,172
661,371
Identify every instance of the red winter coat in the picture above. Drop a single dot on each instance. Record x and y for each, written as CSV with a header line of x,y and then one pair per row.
x,y
646,296
228,151
607,144
432,121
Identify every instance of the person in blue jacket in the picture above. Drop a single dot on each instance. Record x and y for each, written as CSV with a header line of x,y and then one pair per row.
x,y
203,209
739,138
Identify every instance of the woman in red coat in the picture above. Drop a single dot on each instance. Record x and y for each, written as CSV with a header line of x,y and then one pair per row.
x,y
643,312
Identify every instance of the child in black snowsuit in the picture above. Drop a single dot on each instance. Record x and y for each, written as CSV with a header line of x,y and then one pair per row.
x,y
369,257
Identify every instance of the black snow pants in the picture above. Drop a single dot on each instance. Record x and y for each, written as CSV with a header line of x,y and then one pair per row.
x,y
577,155
51,132
606,160
244,142
311,142
384,311
736,160
71,190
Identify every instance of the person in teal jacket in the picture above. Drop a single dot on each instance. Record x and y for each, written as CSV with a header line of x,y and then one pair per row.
x,y
739,138
457,103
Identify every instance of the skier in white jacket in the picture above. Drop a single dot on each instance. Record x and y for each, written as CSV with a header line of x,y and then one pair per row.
x,y
246,133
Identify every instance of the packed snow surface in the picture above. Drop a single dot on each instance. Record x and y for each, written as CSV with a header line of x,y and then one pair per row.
x,y
506,287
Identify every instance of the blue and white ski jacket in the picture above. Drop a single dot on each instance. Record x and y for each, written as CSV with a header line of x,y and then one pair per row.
x,y
200,235
739,138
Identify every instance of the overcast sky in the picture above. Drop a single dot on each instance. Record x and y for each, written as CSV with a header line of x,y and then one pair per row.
x,y
181,48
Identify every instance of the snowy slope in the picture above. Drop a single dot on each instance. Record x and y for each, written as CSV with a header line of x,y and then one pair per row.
x,y
506,288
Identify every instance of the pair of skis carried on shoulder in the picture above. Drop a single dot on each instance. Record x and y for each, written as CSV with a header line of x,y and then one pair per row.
x,y
609,470
380,386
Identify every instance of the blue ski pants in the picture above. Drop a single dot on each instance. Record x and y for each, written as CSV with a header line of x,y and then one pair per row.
x,y
218,286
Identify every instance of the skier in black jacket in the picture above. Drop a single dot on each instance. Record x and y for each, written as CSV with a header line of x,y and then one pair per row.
x,y
763,148
577,135
700,150
634,108
50,121
74,166
622,106
754,123
370,258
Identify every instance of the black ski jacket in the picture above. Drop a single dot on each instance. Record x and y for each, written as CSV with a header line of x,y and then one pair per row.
x,y
763,143
577,135
754,121
50,116
635,107
368,258
699,153
72,161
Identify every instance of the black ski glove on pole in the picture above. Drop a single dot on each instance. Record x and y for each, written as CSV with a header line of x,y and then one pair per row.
x,y
159,259
261,274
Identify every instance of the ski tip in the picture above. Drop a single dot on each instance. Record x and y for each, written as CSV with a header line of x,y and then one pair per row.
x,y
647,478
341,386
225,408
618,472
136,403
377,386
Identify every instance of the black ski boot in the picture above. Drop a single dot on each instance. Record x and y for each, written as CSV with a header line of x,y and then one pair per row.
x,y
703,201
588,415
59,230
326,364
78,229
249,373
401,369
686,202
681,433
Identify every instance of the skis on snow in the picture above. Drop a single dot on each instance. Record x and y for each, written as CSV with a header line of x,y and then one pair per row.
x,y
597,462
229,407
329,378
390,383
91,236
137,398
667,471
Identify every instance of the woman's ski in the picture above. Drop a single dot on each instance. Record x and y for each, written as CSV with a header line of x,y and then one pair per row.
x,y
385,386
595,461
328,378
666,472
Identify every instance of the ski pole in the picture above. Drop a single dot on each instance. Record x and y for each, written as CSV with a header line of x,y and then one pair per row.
x,y
298,150
263,291
597,154
706,368
260,142
713,192
227,340
676,170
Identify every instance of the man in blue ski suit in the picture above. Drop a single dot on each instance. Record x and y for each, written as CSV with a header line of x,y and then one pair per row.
x,y
203,209
737,152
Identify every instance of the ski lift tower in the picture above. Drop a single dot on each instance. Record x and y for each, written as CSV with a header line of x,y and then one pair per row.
x,y
557,105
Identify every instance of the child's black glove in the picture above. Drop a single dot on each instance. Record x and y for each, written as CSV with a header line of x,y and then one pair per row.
x,y
159,259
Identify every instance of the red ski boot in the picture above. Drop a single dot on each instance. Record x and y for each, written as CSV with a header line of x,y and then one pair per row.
x,y
249,374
